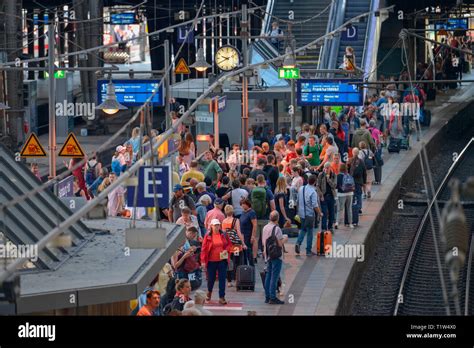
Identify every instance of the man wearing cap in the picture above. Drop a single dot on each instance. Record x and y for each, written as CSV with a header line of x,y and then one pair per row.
x,y
178,202
215,213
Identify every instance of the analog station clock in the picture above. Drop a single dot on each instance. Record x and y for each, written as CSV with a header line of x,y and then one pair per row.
x,y
227,58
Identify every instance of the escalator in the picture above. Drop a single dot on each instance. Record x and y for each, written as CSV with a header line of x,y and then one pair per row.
x,y
314,14
305,32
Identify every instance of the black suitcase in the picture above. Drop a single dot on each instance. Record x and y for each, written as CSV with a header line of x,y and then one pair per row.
x,y
245,277
426,118
405,143
394,145
263,275
378,174
431,94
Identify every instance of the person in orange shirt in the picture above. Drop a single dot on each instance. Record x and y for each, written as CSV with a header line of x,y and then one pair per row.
x,y
152,303
215,254
291,152
336,163
301,142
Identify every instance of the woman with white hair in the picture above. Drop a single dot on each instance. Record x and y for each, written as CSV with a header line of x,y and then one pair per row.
x,y
198,303
201,210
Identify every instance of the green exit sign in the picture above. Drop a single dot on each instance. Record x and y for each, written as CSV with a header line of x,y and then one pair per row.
x,y
60,74
288,73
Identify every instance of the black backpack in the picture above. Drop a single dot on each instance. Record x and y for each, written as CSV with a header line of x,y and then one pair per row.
x,y
273,250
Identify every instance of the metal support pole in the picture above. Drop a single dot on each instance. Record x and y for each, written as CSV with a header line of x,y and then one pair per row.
x,y
52,99
245,92
167,84
293,110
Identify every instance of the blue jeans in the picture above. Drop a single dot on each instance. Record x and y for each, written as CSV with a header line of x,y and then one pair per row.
x,y
221,268
307,227
271,279
327,207
357,203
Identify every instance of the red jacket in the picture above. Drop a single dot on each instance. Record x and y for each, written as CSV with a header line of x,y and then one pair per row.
x,y
207,245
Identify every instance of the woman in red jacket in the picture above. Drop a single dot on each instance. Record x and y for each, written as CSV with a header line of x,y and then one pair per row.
x,y
215,252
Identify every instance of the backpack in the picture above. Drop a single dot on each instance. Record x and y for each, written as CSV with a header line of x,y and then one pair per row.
x,y
259,201
348,183
273,250
369,162
90,173
232,234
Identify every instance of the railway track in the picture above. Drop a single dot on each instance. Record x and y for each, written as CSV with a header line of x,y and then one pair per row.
x,y
403,278
425,276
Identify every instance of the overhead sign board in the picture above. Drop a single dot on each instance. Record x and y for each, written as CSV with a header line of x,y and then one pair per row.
x,y
145,195
182,31
123,18
328,92
350,34
452,24
132,92
288,73
32,147
71,148
221,103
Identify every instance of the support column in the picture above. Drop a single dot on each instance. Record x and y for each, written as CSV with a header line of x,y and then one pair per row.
x,y
14,34
41,40
31,42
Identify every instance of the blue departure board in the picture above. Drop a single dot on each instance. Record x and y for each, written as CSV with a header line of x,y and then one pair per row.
x,y
132,92
123,18
329,92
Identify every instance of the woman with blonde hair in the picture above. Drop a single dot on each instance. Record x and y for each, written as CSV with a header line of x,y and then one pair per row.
x,y
366,156
231,226
282,196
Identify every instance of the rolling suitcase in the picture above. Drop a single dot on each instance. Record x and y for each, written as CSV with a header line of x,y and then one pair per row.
x,y
405,143
245,277
394,145
263,274
431,94
323,242
427,118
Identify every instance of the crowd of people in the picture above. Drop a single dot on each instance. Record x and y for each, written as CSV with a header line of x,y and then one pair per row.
x,y
238,207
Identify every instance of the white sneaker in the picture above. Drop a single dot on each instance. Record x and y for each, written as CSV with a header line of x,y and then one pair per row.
x,y
336,225
351,226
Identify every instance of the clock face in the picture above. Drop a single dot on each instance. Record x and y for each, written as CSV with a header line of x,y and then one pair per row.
x,y
227,58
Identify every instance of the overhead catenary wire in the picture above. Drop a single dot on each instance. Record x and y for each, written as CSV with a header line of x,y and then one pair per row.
x,y
291,21
91,204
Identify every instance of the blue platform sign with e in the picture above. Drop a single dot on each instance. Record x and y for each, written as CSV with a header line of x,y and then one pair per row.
x,y
132,92
145,196
329,92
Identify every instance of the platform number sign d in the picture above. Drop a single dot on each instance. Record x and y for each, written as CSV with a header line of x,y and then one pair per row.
x,y
350,34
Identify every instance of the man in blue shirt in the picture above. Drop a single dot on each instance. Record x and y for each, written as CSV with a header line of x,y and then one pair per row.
x,y
308,206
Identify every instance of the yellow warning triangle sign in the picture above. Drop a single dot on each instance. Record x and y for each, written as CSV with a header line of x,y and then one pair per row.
x,y
71,148
182,67
32,148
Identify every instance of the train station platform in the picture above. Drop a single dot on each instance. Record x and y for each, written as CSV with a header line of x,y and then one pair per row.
x,y
320,285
